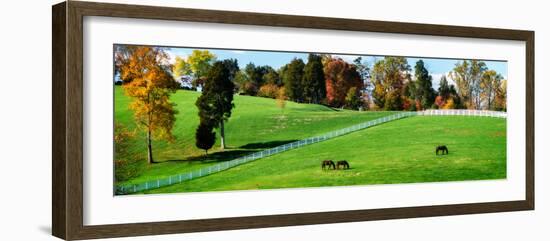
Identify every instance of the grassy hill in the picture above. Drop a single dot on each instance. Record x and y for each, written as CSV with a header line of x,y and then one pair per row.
x,y
256,123
397,152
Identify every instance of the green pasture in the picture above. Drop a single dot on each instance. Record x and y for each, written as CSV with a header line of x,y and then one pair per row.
x,y
402,151
256,123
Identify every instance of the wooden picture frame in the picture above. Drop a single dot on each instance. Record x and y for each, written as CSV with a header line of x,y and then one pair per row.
x,y
67,123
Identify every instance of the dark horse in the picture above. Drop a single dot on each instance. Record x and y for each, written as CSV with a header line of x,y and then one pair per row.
x,y
328,163
443,150
343,163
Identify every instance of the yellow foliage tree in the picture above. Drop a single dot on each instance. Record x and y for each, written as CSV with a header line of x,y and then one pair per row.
x,y
449,104
281,99
147,79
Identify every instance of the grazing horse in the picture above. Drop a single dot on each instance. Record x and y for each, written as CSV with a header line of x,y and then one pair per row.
x,y
443,150
343,163
328,163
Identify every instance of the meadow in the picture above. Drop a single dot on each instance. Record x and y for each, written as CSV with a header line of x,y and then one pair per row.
x,y
256,123
402,151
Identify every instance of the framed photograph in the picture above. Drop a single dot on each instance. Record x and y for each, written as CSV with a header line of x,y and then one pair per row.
x,y
171,120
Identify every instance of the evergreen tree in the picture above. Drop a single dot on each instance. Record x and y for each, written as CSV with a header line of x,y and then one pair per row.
x,y
424,91
292,79
205,137
444,88
313,80
216,101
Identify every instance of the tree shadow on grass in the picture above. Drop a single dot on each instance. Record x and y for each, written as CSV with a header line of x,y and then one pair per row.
x,y
220,156
268,144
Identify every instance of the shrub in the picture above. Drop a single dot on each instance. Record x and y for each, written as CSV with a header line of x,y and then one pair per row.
x,y
269,91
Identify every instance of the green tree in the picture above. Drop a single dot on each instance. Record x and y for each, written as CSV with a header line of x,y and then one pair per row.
x,y
252,78
425,94
272,77
313,80
292,78
205,137
444,89
243,84
353,99
216,101
232,65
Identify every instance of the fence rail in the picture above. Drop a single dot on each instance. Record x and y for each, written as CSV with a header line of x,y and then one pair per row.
x,y
205,171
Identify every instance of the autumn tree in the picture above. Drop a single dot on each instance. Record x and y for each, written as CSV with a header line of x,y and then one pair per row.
x,y
216,101
313,81
340,76
292,79
181,67
389,76
281,99
447,96
147,79
425,94
500,97
269,91
490,84
467,75
205,137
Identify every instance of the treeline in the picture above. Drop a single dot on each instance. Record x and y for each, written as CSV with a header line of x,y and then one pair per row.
x,y
387,84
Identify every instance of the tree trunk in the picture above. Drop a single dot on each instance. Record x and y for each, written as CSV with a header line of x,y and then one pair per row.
x,y
222,134
149,148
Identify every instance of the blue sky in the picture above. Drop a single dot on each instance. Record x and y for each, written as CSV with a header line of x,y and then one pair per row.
x,y
436,67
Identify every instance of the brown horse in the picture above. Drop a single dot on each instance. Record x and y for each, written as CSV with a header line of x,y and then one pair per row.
x,y
343,163
443,150
328,163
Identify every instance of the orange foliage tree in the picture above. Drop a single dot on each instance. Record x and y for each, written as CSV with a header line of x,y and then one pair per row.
x,y
439,101
147,79
269,91
339,78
